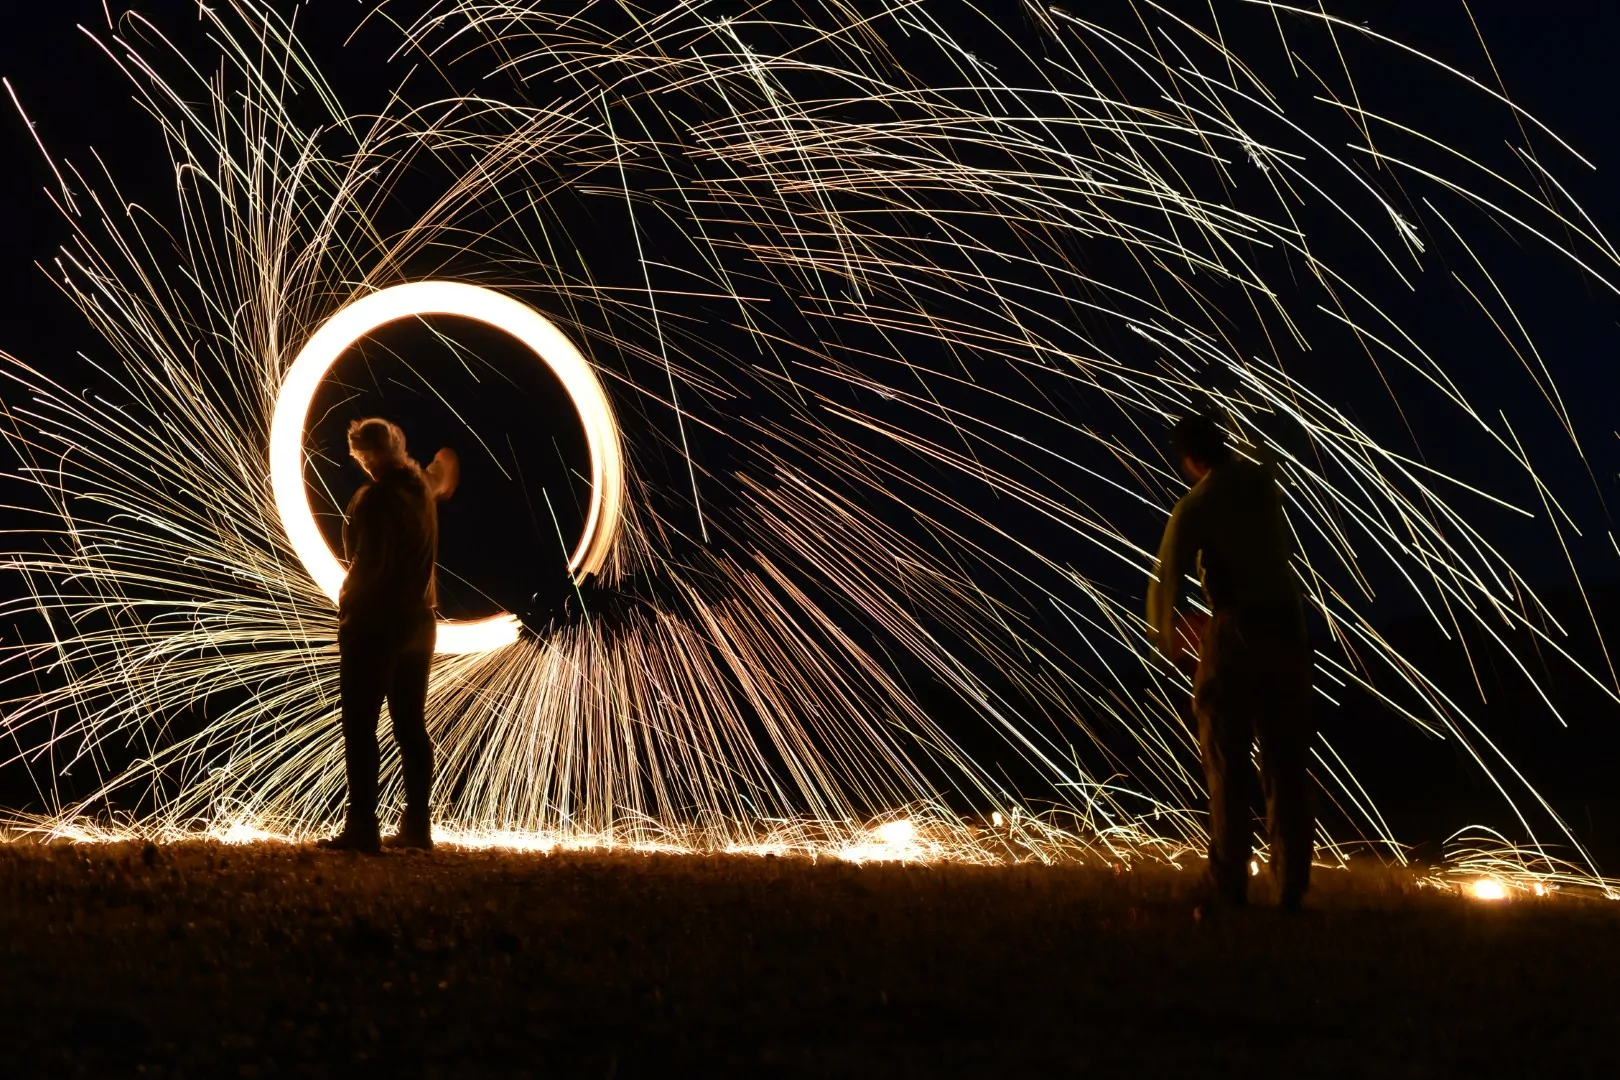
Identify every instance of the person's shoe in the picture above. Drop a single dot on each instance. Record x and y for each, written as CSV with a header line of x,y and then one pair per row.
x,y
364,841
411,838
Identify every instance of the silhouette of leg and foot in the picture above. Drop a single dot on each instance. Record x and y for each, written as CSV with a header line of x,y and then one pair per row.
x,y
407,707
363,673
1253,682
1225,736
1285,731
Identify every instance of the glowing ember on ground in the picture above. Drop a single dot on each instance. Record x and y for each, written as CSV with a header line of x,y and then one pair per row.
x,y
897,832
893,841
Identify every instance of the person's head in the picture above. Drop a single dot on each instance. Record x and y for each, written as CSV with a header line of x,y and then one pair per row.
x,y
376,444
1199,445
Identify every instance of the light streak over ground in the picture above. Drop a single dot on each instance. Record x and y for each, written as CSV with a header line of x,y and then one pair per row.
x,y
891,362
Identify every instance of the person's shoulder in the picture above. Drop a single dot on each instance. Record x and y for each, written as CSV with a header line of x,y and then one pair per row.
x,y
405,479
1240,472
1261,475
410,476
1255,467
1192,499
358,498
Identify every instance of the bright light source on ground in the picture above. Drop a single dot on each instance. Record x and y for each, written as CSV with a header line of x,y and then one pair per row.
x,y
1254,868
1488,889
241,832
893,841
898,833
493,309
996,819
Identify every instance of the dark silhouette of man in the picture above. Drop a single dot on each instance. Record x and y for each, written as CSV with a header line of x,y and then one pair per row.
x,y
1253,674
387,627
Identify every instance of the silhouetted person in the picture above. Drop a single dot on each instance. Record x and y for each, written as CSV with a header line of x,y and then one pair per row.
x,y
1253,674
387,627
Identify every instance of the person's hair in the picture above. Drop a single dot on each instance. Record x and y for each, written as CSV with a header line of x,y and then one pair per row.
x,y
377,438
1200,438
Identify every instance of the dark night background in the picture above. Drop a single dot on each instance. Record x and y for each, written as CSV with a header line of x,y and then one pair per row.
x,y
1555,59
525,467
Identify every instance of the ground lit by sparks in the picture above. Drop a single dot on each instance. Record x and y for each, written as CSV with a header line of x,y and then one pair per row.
x,y
924,840
900,839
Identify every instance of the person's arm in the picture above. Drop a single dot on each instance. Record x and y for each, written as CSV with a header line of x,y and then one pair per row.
x,y
368,543
1176,551
351,530
444,474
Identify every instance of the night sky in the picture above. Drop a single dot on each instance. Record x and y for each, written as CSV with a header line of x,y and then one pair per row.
x,y
1555,60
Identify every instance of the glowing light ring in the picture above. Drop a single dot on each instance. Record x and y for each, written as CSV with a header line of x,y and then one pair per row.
x,y
493,309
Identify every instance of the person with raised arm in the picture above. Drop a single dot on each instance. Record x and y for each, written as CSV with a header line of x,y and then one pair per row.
x,y
387,627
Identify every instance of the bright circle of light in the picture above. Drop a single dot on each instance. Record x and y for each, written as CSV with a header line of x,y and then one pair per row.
x,y
493,309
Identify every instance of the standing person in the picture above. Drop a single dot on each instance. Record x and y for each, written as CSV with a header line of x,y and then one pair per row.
x,y
387,627
1253,674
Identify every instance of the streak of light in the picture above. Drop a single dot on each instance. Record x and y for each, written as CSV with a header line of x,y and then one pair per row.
x,y
921,313
540,335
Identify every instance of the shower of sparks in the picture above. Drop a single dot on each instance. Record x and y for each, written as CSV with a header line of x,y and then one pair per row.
x,y
892,356
298,389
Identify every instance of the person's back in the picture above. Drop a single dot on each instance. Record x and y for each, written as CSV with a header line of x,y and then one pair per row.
x,y
1235,524
1253,673
390,537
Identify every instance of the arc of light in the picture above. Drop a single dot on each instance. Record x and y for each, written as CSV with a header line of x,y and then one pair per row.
x,y
493,309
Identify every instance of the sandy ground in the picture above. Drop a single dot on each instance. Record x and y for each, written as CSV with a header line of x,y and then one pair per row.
x,y
205,960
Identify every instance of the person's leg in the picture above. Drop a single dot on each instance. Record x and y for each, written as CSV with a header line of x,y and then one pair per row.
x,y
1225,735
407,706
362,682
1286,731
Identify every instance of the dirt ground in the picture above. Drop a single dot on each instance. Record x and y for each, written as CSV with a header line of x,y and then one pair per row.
x,y
207,960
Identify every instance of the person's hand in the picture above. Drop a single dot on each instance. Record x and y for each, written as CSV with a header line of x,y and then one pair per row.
x,y
444,474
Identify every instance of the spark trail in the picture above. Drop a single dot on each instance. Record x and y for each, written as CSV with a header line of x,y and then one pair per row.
x,y
899,330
